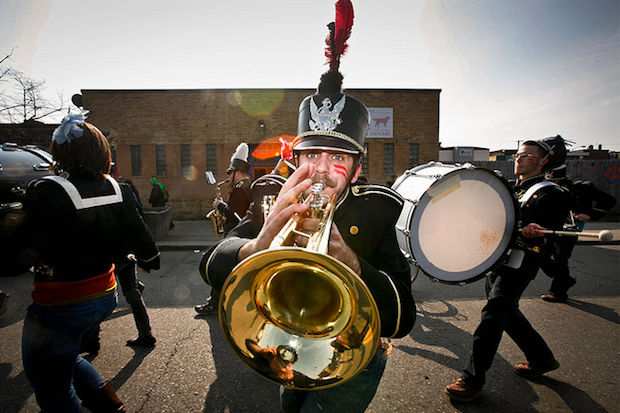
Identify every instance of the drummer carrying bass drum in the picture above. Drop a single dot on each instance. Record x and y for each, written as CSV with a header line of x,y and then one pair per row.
x,y
543,205
329,149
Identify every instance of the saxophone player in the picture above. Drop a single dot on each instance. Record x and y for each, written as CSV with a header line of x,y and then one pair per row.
x,y
233,209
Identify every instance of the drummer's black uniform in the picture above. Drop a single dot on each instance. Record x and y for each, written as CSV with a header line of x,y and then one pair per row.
x,y
366,216
548,207
585,199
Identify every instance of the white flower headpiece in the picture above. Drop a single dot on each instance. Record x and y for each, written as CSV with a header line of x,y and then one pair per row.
x,y
69,129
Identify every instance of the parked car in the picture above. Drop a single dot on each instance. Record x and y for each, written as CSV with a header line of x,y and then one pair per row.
x,y
19,165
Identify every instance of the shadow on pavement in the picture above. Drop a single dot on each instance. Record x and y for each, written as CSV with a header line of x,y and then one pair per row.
x,y
231,391
130,368
434,328
605,313
15,391
577,400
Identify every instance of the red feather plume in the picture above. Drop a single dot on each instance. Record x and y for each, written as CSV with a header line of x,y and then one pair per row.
x,y
340,31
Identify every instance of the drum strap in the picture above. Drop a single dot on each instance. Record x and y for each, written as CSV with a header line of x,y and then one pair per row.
x,y
532,190
83,203
520,244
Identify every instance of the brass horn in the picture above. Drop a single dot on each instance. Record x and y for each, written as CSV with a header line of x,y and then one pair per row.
x,y
297,316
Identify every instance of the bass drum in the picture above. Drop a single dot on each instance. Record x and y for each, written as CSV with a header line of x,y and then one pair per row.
x,y
457,222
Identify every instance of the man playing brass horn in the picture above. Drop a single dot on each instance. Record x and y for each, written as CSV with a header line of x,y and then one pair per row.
x,y
234,209
240,195
328,148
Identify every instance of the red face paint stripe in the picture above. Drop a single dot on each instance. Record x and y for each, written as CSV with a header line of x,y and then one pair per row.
x,y
341,170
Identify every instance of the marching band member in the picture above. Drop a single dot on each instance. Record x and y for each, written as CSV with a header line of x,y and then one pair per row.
x,y
587,203
233,209
76,222
240,194
543,205
329,148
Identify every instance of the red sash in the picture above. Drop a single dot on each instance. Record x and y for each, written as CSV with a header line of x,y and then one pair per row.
x,y
65,293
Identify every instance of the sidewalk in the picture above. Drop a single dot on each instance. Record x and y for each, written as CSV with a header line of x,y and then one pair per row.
x,y
189,235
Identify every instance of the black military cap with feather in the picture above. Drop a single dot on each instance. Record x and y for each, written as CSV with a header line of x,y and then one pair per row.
x,y
330,119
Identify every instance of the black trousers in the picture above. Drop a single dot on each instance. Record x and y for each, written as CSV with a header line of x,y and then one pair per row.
x,y
501,313
555,265
127,276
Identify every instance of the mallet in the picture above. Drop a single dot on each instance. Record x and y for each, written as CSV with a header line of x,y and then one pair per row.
x,y
604,235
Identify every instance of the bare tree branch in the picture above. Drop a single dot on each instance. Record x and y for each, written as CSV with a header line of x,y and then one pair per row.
x,y
22,98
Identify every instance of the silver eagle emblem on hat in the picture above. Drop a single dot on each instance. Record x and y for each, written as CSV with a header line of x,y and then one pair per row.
x,y
323,118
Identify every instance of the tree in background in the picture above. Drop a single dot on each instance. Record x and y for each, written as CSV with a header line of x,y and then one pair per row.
x,y
21,98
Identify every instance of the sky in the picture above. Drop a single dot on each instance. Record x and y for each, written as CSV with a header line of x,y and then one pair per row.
x,y
508,70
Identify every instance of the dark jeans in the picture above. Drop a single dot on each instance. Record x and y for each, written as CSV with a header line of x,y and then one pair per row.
x,y
51,343
128,279
501,313
555,264
351,397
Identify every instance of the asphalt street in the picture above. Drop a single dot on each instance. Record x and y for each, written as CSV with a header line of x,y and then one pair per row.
x,y
192,369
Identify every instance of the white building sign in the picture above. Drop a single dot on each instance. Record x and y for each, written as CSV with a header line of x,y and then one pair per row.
x,y
381,123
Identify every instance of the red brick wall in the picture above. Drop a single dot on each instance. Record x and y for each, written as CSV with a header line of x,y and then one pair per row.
x,y
226,118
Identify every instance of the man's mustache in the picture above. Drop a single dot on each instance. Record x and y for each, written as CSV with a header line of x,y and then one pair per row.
x,y
326,180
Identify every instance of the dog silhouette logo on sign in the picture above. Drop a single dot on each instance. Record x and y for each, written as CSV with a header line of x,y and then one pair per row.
x,y
383,121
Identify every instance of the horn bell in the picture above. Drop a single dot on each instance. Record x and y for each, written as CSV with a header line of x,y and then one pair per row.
x,y
299,318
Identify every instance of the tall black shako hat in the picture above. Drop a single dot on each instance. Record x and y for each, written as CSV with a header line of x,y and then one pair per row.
x,y
330,119
239,160
555,148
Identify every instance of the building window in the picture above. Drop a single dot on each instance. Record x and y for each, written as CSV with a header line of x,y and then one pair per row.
x,y
365,161
212,158
388,158
186,161
160,160
414,154
136,160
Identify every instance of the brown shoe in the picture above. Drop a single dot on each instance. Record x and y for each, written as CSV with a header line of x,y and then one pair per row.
x,y
534,370
463,392
554,298
104,400
142,342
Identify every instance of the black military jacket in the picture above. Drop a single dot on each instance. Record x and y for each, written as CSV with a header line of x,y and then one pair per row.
x,y
366,216
589,200
238,203
80,243
548,207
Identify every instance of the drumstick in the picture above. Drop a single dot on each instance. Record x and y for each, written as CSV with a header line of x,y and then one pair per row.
x,y
604,235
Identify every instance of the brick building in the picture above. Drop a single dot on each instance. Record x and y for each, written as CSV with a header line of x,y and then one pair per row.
x,y
177,135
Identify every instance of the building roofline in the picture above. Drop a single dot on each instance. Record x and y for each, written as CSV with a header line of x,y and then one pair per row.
x,y
464,147
249,89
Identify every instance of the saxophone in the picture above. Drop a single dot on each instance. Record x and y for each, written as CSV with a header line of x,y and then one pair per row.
x,y
216,217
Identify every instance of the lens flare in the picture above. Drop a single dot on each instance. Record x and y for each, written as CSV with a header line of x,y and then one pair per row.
x,y
270,148
257,103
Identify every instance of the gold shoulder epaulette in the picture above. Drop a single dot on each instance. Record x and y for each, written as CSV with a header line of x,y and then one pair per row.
x,y
368,189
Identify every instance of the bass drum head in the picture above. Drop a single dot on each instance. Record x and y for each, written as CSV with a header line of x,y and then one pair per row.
x,y
463,225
